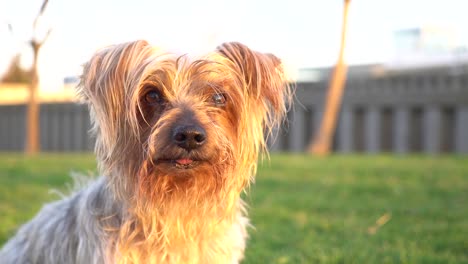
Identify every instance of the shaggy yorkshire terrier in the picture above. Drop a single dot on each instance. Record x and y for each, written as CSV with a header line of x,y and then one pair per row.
x,y
177,141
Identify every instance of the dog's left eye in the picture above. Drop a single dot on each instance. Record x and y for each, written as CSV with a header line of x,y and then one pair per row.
x,y
219,99
153,97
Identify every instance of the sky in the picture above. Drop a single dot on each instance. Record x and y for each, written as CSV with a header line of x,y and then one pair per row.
x,y
304,33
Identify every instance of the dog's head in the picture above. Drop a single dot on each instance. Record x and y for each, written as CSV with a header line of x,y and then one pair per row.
x,y
165,123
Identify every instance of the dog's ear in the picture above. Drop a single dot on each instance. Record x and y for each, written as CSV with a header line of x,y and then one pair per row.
x,y
263,76
110,65
106,84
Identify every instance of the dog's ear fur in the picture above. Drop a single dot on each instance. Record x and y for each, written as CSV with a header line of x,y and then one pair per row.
x,y
105,85
264,79
111,64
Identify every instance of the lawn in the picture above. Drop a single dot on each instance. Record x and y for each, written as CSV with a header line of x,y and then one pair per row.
x,y
342,209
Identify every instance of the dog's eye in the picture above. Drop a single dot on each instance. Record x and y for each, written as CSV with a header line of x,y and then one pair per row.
x,y
153,97
219,99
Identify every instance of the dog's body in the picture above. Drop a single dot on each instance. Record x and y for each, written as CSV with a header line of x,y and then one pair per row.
x,y
69,231
177,141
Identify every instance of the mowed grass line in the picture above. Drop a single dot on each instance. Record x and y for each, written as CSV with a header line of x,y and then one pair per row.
x,y
306,209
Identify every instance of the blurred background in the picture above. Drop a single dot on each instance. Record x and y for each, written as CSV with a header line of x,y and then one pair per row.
x,y
385,78
406,89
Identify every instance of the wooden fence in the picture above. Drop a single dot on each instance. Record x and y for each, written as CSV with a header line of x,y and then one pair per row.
x,y
422,111
400,112
63,127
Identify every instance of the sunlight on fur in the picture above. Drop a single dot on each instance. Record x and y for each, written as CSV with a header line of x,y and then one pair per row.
x,y
177,140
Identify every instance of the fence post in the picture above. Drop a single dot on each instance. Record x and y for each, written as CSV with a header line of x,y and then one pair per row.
x,y
401,130
372,129
345,132
297,130
461,130
431,126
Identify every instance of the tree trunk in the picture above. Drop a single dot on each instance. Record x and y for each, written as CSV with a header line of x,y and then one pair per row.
x,y
32,119
323,140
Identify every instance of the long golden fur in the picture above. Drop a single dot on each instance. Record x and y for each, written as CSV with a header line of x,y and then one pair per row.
x,y
160,202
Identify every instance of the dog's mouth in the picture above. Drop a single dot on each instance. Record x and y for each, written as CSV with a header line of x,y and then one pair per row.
x,y
179,163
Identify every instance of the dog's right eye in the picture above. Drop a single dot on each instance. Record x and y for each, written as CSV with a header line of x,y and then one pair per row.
x,y
153,97
219,99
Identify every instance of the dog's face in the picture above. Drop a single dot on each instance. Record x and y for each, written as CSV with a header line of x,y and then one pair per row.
x,y
165,124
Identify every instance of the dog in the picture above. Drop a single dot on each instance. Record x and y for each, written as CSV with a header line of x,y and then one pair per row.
x,y
177,141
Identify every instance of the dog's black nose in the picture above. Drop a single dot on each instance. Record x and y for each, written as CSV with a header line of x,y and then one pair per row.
x,y
189,137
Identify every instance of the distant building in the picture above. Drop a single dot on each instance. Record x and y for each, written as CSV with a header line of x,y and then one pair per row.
x,y
70,83
427,46
71,80
416,49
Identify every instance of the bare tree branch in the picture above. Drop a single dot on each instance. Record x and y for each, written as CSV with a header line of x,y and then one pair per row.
x,y
32,117
322,143
41,11
10,28
43,7
45,37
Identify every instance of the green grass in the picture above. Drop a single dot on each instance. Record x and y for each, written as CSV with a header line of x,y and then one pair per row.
x,y
306,209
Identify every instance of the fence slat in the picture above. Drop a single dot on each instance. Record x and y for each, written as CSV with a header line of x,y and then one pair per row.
x,y
400,112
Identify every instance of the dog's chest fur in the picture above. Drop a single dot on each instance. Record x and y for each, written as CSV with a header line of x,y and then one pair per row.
x,y
85,224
